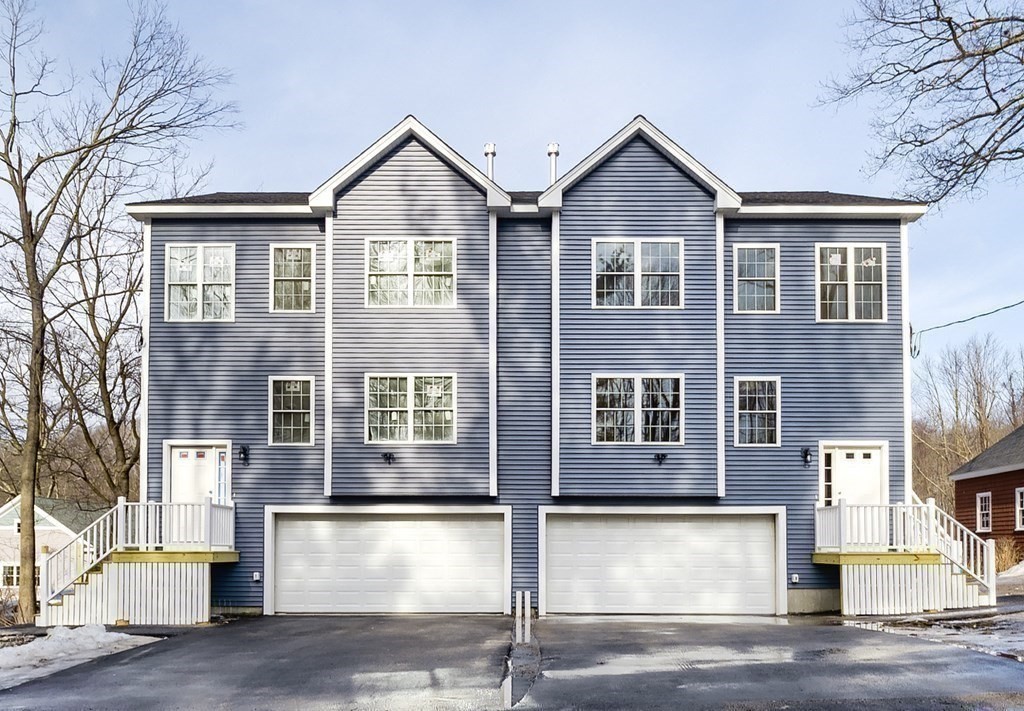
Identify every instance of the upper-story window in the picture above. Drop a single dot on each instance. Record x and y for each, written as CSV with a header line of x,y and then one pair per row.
x,y
410,408
851,282
291,410
291,274
756,279
984,512
638,409
757,412
410,272
200,282
1018,509
638,273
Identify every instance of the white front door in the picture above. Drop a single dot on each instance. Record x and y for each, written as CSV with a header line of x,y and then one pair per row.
x,y
855,474
198,472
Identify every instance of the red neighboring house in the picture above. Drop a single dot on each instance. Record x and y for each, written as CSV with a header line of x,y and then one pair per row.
x,y
990,490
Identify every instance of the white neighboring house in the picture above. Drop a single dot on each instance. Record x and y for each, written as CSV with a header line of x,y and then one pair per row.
x,y
58,522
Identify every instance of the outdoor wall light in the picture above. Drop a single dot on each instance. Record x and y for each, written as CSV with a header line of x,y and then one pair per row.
x,y
805,454
660,458
243,454
388,457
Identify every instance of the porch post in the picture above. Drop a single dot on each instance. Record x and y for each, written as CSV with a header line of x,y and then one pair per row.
x,y
842,525
44,593
990,569
207,522
119,523
930,502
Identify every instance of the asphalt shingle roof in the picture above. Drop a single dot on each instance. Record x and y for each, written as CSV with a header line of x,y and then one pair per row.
x,y
1007,452
76,515
817,197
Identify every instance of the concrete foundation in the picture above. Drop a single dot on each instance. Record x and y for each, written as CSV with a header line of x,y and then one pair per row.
x,y
806,601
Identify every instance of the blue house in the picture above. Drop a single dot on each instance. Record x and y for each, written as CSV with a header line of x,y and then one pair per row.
x,y
636,391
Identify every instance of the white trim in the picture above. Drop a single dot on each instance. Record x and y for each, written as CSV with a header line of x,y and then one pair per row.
x,y
908,424
638,273
736,410
987,472
15,503
556,350
779,512
638,408
323,197
720,354
200,248
725,197
410,274
1018,509
146,211
328,353
977,512
851,306
410,377
880,444
736,279
271,379
864,212
311,246
168,444
269,522
145,305
492,353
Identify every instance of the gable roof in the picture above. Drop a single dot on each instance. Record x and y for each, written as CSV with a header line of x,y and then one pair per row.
x,y
725,197
1006,455
322,199
817,197
74,516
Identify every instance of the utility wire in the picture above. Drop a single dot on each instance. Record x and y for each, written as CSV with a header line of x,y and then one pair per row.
x,y
915,336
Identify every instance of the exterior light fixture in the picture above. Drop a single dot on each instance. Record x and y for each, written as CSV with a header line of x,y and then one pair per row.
x,y
805,455
388,457
660,458
243,454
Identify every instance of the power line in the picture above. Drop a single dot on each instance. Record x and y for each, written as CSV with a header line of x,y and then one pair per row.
x,y
915,337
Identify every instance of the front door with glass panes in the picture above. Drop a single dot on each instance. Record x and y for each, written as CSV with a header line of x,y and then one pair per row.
x,y
855,474
198,472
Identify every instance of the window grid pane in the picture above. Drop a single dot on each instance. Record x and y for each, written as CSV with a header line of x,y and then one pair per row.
x,y
388,412
834,297
867,277
293,279
388,277
661,406
614,414
433,273
291,406
659,269
614,278
757,412
985,511
1020,508
427,400
755,279
433,409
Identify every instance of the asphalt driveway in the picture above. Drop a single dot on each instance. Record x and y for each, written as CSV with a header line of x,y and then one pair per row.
x,y
397,662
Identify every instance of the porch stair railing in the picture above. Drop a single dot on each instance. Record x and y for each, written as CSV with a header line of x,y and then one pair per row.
x,y
142,526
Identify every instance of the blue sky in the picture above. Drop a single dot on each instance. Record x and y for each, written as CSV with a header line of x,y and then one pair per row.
x,y
735,83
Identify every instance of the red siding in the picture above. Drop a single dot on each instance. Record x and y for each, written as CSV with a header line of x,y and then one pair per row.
x,y
1002,487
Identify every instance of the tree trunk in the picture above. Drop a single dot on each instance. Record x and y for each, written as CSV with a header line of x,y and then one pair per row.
x,y
30,454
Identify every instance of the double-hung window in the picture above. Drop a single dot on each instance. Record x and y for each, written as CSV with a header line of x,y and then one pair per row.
x,y
638,273
756,278
758,412
638,409
12,575
291,410
851,282
984,512
410,408
410,272
1018,509
291,276
200,282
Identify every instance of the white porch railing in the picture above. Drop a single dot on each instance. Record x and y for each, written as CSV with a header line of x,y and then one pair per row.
x,y
904,528
142,527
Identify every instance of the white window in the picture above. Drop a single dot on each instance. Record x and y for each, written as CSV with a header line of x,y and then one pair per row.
x,y
638,409
638,273
1018,509
292,267
984,512
291,411
12,576
851,282
410,408
200,281
410,272
758,412
756,278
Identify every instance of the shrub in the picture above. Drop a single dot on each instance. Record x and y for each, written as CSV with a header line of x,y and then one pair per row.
x,y
1008,553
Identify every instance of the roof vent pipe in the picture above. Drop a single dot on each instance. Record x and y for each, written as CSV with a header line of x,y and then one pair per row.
x,y
553,158
490,150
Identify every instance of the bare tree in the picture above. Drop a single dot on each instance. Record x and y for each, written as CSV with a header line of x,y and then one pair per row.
x,y
61,138
948,77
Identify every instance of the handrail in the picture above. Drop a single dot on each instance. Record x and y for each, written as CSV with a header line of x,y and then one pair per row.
x,y
66,565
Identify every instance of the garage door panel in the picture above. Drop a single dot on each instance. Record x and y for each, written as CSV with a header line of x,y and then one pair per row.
x,y
624,563
389,563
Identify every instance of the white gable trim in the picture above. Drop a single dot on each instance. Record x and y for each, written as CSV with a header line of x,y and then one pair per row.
x,y
909,213
725,197
987,472
323,197
53,523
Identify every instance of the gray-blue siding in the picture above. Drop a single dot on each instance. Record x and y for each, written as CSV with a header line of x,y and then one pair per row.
x,y
209,381
637,193
411,193
839,381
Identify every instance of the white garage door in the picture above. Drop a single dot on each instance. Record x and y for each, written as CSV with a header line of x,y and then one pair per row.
x,y
389,563
685,564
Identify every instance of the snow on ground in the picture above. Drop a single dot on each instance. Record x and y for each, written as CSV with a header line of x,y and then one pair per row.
x,y
1011,582
999,635
59,649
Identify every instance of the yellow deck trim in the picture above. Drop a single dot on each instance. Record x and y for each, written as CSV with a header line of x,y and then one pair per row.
x,y
877,558
174,557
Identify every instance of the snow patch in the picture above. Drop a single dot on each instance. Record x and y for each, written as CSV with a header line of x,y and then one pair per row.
x,y
1016,571
59,649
